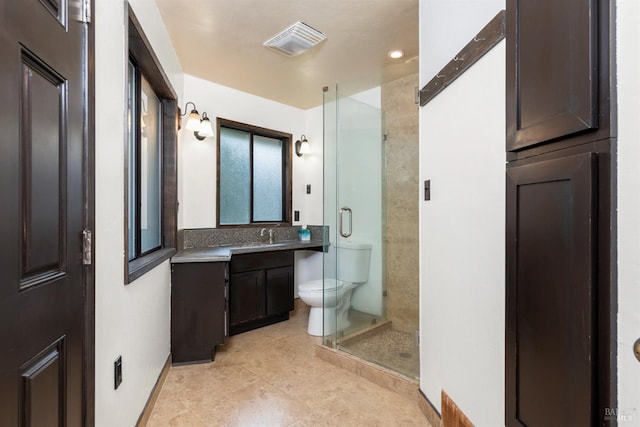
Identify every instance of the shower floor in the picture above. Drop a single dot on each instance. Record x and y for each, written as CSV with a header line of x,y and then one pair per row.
x,y
386,346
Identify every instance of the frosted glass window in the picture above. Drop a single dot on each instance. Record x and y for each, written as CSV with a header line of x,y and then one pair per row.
x,y
235,177
254,175
150,167
267,179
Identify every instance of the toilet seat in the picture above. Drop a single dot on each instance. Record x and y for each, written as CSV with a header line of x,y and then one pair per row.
x,y
320,285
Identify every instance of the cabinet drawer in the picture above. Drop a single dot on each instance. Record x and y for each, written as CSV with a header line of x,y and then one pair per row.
x,y
260,261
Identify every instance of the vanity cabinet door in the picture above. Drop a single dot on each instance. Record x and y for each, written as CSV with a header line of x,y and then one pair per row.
x,y
246,297
260,290
198,310
279,290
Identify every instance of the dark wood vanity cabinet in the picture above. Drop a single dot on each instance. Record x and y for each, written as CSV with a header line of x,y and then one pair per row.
x,y
260,289
560,334
198,310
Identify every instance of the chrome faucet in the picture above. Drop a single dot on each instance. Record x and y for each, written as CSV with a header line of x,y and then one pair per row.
x,y
272,234
271,231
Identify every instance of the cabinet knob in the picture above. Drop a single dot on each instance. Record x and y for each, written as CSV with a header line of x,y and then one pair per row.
x,y
636,349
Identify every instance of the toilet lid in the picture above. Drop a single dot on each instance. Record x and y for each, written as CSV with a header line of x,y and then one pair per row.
x,y
317,285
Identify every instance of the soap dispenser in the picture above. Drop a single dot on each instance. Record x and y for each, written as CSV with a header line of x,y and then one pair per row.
x,y
304,234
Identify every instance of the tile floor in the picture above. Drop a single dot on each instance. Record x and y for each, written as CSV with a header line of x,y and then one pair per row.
x,y
271,377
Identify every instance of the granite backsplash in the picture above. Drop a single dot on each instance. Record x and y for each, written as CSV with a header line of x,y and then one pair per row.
x,y
211,237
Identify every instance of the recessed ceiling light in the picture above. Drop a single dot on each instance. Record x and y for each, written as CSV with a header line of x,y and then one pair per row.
x,y
396,54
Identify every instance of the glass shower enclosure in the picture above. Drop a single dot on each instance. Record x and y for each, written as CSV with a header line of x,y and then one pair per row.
x,y
355,211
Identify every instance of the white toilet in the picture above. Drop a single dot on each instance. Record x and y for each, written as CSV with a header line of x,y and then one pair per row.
x,y
329,298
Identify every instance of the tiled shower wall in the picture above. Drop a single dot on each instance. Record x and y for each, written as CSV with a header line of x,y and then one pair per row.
x,y
401,188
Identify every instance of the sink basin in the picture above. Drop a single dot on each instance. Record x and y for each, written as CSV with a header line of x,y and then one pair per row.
x,y
263,245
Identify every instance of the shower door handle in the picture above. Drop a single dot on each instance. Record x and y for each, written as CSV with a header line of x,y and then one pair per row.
x,y
342,211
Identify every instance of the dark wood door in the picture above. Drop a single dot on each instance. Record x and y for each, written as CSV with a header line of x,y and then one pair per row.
x,y
551,290
198,310
42,117
279,290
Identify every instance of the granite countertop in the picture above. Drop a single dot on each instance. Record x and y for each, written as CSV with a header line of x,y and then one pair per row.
x,y
223,253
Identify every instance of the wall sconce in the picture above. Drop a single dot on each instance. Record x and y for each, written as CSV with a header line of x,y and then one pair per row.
x,y
302,146
200,126
205,128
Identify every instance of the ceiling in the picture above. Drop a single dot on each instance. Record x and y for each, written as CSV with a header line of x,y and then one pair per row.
x,y
221,41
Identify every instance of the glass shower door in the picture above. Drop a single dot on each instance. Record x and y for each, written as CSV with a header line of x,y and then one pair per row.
x,y
353,207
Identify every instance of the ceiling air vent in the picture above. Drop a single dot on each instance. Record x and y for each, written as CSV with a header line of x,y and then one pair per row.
x,y
296,39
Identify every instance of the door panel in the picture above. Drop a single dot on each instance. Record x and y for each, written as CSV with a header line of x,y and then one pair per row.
x,y
552,70
42,388
43,177
279,290
551,288
43,117
246,297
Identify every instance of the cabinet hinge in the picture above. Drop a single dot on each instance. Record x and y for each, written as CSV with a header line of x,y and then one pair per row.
x,y
86,247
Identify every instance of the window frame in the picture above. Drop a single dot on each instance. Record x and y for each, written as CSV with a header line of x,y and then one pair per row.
x,y
141,54
287,162
139,163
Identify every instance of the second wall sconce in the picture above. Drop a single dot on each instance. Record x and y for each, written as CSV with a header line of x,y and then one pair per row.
x,y
200,126
302,146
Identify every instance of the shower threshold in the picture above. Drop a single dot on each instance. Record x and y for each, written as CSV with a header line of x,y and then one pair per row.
x,y
386,346
374,372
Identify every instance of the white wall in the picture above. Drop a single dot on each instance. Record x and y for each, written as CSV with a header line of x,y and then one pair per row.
x,y
371,97
312,167
447,26
462,239
308,170
198,196
628,64
462,227
132,320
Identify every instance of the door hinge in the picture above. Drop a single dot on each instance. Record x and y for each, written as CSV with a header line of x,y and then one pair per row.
x,y
80,10
86,247
86,11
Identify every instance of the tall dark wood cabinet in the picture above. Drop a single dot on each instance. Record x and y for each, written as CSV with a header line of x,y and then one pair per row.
x,y
559,317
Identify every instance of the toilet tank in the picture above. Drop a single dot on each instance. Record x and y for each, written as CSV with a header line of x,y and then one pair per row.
x,y
353,261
